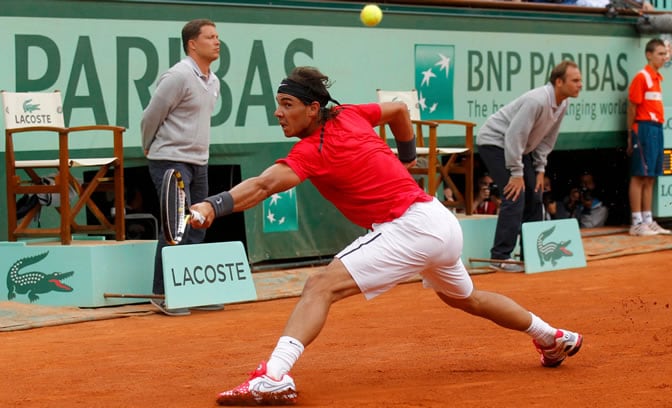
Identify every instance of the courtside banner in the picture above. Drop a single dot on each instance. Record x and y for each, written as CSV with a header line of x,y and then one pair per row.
x,y
552,245
205,274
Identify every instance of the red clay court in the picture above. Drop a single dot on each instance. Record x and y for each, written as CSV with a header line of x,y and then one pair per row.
x,y
403,349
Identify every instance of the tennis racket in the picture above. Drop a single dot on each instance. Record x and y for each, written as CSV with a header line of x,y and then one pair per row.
x,y
174,214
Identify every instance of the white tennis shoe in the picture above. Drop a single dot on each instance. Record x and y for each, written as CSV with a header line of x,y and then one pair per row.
x,y
260,389
566,344
642,230
655,227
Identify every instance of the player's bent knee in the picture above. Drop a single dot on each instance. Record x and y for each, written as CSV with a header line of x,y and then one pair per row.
x,y
466,304
330,284
319,284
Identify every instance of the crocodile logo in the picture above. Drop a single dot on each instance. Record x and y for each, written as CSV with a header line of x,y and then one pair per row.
x,y
551,251
29,107
34,283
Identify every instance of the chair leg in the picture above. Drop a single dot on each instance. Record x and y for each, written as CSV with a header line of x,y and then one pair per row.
x,y
469,182
85,201
64,209
100,182
119,203
11,216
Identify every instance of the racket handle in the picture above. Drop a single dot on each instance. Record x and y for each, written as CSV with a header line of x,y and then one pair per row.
x,y
198,217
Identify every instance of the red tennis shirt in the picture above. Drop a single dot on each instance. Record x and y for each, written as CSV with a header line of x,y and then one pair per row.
x,y
354,169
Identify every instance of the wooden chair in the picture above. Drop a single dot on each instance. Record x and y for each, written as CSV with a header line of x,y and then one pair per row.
x,y
435,162
34,121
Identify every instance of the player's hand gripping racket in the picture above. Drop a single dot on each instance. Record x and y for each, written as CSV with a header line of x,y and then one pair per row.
x,y
174,216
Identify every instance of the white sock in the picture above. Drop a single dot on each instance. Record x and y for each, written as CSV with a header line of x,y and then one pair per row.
x,y
286,352
636,218
541,331
647,217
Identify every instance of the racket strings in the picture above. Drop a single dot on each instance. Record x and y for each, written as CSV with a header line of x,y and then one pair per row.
x,y
174,207
175,200
181,220
172,202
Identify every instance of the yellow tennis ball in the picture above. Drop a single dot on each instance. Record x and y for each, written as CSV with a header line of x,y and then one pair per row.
x,y
371,15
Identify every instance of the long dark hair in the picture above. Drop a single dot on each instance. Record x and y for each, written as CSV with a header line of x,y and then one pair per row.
x,y
318,84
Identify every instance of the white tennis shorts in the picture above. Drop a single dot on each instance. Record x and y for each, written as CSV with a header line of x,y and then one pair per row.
x,y
425,240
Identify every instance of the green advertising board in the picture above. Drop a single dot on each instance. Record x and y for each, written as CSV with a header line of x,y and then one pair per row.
x,y
106,56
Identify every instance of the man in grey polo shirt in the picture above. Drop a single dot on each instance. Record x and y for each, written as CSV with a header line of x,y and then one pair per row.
x,y
176,130
514,144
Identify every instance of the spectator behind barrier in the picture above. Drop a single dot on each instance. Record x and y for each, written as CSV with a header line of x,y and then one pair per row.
x,y
486,197
582,204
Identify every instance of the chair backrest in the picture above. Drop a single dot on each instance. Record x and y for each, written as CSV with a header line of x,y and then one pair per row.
x,y
32,109
31,113
410,98
432,164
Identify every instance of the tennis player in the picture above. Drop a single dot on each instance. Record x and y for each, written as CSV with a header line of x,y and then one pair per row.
x,y
339,151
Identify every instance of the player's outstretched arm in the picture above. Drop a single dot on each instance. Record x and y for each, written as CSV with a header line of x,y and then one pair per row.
x,y
247,194
250,192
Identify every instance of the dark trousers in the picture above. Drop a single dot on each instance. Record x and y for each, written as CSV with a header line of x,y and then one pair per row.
x,y
196,186
512,214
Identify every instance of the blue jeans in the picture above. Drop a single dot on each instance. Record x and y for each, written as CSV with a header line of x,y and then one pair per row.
x,y
196,186
512,214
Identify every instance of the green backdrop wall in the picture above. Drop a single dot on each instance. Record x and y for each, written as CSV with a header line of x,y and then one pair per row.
x,y
105,56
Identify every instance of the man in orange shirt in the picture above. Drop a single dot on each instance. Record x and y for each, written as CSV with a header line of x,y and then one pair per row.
x,y
645,139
